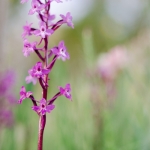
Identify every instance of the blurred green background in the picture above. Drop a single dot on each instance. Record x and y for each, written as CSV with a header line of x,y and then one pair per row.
x,y
94,120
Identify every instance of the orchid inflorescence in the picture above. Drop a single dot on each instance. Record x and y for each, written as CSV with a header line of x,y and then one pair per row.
x,y
41,70
48,56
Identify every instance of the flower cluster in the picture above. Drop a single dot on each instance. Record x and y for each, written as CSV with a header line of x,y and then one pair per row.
x,y
48,56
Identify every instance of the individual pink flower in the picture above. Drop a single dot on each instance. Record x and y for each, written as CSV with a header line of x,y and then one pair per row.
x,y
61,51
26,30
43,31
43,108
66,91
24,94
28,47
36,7
36,72
67,19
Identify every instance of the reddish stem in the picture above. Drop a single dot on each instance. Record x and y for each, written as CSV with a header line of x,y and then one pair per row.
x,y
42,120
39,55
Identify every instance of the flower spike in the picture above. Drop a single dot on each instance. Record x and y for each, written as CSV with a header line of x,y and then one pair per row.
x,y
47,58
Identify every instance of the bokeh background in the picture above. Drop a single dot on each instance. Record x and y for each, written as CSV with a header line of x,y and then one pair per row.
x,y
108,71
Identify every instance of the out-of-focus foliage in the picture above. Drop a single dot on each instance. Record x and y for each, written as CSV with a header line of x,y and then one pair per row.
x,y
14,3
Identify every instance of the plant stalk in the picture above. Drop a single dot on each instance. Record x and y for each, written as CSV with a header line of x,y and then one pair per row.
x,y
42,119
